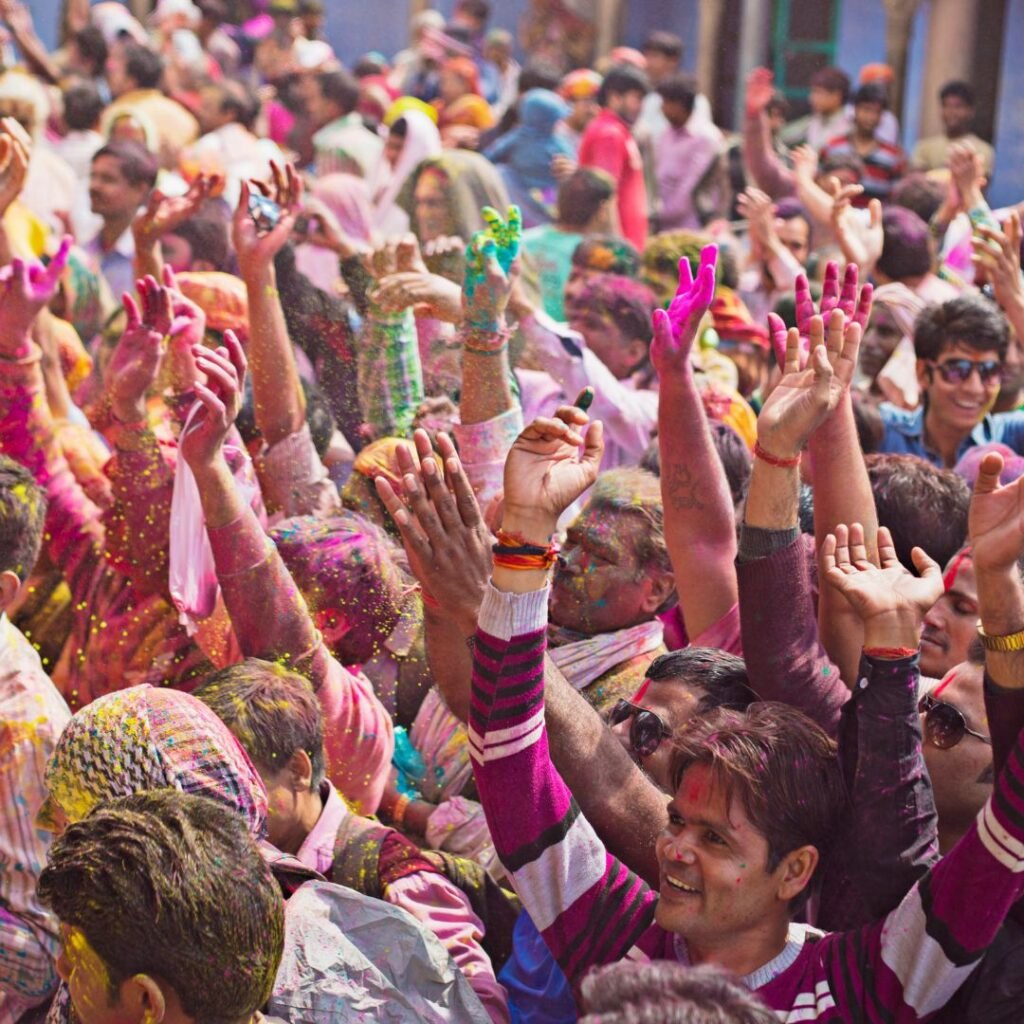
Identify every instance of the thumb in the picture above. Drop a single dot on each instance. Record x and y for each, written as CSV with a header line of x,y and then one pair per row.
x,y
988,473
925,565
593,448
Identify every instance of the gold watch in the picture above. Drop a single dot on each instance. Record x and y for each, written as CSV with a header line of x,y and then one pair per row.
x,y
1006,644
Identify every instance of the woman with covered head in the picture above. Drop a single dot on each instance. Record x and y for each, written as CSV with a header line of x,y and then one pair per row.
x,y
413,137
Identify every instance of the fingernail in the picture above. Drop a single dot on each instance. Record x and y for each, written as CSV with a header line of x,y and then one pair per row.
x,y
429,469
410,482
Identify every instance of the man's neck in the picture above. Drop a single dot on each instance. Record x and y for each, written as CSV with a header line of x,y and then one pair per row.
x,y
311,806
746,953
958,133
942,438
113,228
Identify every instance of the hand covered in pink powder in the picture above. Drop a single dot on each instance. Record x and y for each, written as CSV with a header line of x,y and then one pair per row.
x,y
25,287
221,398
136,361
188,326
676,327
855,306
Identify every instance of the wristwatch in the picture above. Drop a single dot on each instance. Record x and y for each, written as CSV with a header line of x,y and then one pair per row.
x,y
1006,644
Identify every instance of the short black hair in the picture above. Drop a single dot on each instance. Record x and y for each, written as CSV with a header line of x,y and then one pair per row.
x,y
961,90
722,676
144,66
906,244
921,504
172,885
22,516
668,44
138,165
207,237
83,106
479,9
920,193
237,99
680,89
871,92
581,194
272,712
832,79
92,46
340,88
970,320
621,79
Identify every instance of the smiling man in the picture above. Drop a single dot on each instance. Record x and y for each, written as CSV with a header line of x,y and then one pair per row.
x,y
961,350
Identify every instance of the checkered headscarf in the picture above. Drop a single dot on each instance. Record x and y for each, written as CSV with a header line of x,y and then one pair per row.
x,y
146,738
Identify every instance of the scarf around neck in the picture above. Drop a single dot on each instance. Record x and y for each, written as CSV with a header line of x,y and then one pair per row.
x,y
583,659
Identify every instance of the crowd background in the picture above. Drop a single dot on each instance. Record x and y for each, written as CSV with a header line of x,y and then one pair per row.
x,y
504,528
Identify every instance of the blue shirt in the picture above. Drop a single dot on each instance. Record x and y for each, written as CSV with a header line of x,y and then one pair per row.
x,y
904,433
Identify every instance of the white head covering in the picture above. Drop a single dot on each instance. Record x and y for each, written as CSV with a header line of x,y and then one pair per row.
x,y
422,140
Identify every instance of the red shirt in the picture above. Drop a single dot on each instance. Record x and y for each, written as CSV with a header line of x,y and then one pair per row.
x,y
608,143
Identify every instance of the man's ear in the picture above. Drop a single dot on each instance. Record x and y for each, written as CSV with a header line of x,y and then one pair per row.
x,y
925,373
143,1000
638,349
300,772
9,587
660,586
796,871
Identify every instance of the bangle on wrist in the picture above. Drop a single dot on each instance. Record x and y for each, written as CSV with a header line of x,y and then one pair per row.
x,y
513,551
775,460
1008,643
399,809
890,653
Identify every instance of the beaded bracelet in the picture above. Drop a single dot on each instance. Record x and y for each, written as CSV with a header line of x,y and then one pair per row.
x,y
890,653
513,551
775,460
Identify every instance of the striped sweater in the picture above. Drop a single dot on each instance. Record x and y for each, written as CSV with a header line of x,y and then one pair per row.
x,y
591,909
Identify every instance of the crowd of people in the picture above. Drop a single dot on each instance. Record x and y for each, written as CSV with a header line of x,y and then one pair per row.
x,y
479,542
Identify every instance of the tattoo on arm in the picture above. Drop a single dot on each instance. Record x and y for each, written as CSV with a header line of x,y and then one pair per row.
x,y
683,489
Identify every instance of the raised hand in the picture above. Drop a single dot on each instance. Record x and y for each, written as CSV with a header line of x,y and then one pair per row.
x,y
760,89
188,327
25,287
256,249
809,391
429,295
324,230
890,601
163,214
221,398
995,524
445,537
967,173
805,162
488,282
861,245
500,240
545,472
999,253
676,328
758,210
14,158
135,363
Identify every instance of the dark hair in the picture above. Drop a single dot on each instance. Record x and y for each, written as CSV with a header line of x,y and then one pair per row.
x,y
669,993
961,90
919,193
138,165
628,304
207,236
479,9
83,106
721,676
833,80
172,885
680,89
790,208
922,505
22,516
970,320
871,92
842,161
144,66
778,104
272,712
668,44
622,78
779,764
92,46
538,76
340,88
580,196
906,244
238,100
624,256
318,416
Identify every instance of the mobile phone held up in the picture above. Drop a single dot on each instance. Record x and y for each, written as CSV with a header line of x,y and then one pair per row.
x,y
265,213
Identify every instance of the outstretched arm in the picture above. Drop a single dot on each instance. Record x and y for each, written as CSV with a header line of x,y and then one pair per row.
x,y
700,528
269,614
763,165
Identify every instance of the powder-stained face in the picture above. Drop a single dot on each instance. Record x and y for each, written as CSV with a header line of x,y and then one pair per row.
x,y
433,210
88,980
951,623
599,584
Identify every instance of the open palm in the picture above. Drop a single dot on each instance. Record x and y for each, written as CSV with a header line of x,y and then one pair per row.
x,y
676,327
877,590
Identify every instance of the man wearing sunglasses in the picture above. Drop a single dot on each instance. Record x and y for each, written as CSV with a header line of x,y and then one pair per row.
x,y
961,350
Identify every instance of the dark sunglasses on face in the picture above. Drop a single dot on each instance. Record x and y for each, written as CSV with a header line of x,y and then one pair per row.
x,y
944,724
646,730
956,371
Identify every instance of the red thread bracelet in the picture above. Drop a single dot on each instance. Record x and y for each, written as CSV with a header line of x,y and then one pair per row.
x,y
774,460
890,653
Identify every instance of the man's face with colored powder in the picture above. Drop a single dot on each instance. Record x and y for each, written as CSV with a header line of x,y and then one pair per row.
x,y
951,623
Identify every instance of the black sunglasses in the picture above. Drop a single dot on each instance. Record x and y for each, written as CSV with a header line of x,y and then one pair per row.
x,y
956,371
944,724
646,731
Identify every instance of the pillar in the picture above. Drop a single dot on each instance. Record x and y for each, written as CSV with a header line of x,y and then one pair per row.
x,y
709,34
950,54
